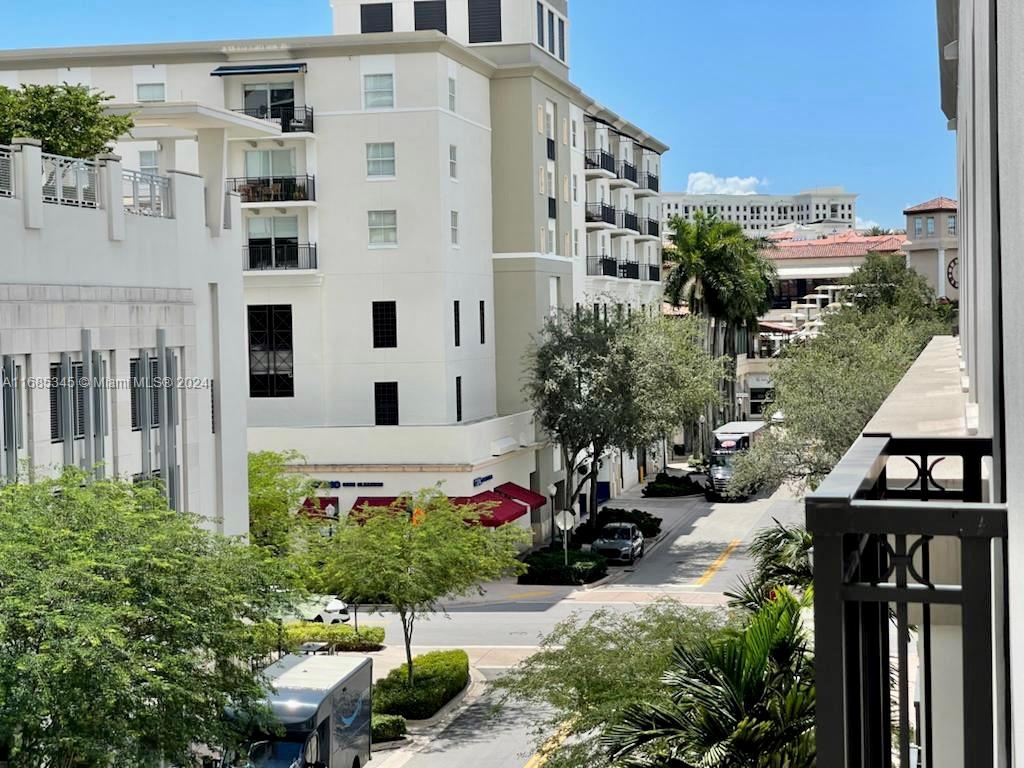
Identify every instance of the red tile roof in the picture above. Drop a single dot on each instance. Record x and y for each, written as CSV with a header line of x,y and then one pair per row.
x,y
935,204
846,245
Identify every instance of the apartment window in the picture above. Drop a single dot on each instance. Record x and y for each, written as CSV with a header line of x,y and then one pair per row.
x,y
458,398
550,240
385,325
380,160
385,403
575,188
575,242
451,94
483,322
575,129
274,100
59,416
951,224
457,319
150,92
917,227
271,354
484,21
540,24
148,162
273,241
270,163
554,294
376,17
378,91
931,225
561,39
431,14
453,161
455,228
551,32
383,228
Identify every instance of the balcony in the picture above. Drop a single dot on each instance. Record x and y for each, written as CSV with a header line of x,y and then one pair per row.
x,y
551,149
292,119
647,184
627,222
906,551
650,228
602,266
277,256
598,162
627,172
600,214
629,270
552,208
274,190
653,273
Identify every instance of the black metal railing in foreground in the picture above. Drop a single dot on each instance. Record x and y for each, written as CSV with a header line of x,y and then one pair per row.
x,y
872,567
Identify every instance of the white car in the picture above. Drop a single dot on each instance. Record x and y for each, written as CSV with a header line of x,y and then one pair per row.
x,y
326,610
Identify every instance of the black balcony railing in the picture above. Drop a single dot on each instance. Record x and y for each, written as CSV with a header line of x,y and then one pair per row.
x,y
274,189
552,208
627,171
551,149
648,180
649,227
599,158
629,269
653,273
627,220
879,570
600,212
602,266
291,119
262,256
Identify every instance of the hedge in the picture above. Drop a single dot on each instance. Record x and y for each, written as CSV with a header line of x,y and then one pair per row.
x,y
664,485
438,678
649,525
388,727
548,567
339,637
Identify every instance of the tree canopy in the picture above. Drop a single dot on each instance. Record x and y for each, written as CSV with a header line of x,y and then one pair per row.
x,y
68,119
125,627
275,494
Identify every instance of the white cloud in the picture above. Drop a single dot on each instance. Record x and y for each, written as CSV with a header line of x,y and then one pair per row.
x,y
704,183
866,223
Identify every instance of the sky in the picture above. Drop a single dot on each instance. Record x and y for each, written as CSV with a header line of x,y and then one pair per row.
x,y
751,96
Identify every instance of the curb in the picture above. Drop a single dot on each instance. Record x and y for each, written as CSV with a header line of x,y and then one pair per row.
x,y
390,746
450,711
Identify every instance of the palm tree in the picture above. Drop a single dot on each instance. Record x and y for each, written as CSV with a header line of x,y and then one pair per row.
x,y
723,276
742,700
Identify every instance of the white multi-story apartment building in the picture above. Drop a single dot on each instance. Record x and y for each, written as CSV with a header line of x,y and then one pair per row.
x,y
435,188
830,208
121,326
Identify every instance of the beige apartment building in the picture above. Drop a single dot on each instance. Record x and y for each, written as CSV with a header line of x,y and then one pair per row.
x,y
420,191
932,248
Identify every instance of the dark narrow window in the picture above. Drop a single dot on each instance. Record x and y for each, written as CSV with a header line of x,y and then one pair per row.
x,y
155,392
133,374
271,356
458,324
561,39
385,325
376,17
56,405
540,24
458,398
483,323
485,21
58,415
431,14
551,31
385,403
78,400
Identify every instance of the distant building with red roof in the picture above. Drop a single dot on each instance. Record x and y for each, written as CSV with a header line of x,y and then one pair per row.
x,y
933,247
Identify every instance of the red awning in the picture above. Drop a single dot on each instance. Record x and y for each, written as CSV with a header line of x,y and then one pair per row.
x,y
374,501
518,493
317,506
502,509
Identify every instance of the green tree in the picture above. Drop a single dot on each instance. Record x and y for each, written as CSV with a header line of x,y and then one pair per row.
x,y
884,283
276,492
877,231
416,553
68,119
782,558
588,671
724,278
742,699
125,627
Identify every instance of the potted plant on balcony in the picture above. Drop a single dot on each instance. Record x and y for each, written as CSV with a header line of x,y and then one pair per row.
x,y
299,192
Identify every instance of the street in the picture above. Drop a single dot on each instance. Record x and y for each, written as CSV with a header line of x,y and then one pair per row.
x,y
701,553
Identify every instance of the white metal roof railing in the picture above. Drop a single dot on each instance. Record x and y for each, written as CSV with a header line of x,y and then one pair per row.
x,y
146,194
69,181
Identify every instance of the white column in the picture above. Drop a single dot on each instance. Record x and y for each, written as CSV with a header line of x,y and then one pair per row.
x,y
213,166
940,277
30,181
112,189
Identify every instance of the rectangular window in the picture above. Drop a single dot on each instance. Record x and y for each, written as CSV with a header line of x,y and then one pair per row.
x,y
431,14
451,94
917,227
148,162
145,92
383,228
561,39
271,354
575,242
483,322
930,221
551,32
458,398
56,405
540,24
376,17
575,129
385,403
385,325
457,317
484,21
455,227
453,161
380,159
575,188
951,224
554,294
378,91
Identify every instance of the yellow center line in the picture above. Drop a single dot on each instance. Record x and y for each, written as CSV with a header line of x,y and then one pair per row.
x,y
719,562
549,747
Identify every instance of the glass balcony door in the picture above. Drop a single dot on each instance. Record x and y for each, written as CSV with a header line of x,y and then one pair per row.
x,y
273,242
273,100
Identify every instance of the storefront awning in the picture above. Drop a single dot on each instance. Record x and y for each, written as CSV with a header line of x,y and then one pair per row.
x,y
501,509
321,506
811,273
259,69
531,498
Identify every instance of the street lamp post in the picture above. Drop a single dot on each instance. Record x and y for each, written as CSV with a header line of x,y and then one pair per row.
x,y
552,492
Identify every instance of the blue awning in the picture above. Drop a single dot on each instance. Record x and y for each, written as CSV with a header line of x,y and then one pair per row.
x,y
259,69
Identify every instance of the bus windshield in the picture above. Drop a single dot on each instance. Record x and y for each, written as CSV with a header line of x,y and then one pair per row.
x,y
274,754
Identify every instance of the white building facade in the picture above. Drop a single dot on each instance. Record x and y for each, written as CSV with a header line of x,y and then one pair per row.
x,y
831,209
121,330
418,212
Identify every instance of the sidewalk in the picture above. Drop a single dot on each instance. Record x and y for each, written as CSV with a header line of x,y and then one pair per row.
x,y
480,657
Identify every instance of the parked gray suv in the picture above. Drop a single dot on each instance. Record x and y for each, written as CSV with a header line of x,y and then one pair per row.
x,y
619,542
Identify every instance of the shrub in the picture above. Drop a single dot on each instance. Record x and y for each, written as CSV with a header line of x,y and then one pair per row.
x,y
287,638
649,525
388,727
665,485
548,567
439,676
